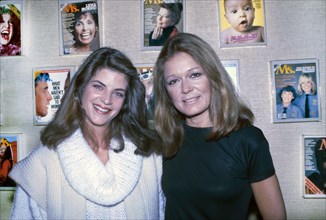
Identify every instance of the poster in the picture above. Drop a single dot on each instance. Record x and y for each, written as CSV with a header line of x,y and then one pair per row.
x,y
160,21
49,86
242,23
79,27
10,154
232,68
296,90
145,73
11,17
314,180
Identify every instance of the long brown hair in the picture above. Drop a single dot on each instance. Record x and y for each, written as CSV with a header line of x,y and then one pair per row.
x,y
227,111
132,120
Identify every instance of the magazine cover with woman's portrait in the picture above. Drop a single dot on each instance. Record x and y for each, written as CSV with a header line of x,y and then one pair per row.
x,y
10,28
161,21
296,90
242,23
79,27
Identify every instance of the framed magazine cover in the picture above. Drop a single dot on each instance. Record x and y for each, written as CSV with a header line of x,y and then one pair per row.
x,y
232,67
145,73
296,96
314,166
236,30
80,26
49,86
10,153
11,26
160,21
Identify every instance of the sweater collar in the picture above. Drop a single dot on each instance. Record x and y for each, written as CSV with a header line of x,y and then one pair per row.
x,y
103,184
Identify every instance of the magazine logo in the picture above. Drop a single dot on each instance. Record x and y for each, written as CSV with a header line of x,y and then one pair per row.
x,y
284,69
149,2
71,8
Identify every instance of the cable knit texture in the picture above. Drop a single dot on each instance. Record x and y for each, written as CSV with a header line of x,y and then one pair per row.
x,y
72,183
106,185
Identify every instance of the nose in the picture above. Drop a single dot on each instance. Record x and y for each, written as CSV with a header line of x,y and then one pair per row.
x,y
242,13
106,99
186,87
49,96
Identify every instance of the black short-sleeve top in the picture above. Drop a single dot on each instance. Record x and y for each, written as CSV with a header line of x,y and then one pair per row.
x,y
212,179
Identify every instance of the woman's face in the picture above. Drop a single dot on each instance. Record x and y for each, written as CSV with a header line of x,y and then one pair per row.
x,y
306,86
164,18
189,88
85,29
103,97
6,29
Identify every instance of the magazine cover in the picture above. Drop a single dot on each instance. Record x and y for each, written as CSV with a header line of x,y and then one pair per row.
x,y
296,90
10,147
10,28
161,20
232,67
314,166
242,23
79,27
50,85
145,73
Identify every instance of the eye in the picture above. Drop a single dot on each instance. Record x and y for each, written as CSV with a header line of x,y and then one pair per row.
x,y
119,94
248,8
172,82
195,75
98,87
89,22
234,11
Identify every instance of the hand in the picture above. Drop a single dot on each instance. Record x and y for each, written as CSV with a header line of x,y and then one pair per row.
x,y
157,33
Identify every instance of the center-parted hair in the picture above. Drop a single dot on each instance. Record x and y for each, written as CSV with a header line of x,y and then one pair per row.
x,y
227,111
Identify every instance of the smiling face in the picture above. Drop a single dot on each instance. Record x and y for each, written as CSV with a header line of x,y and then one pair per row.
x,y
287,97
85,29
189,88
306,86
6,29
164,18
103,97
240,14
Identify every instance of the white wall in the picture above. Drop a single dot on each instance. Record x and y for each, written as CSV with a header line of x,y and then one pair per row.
x,y
295,30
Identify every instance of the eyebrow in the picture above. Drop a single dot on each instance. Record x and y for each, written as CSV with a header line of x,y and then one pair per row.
x,y
117,89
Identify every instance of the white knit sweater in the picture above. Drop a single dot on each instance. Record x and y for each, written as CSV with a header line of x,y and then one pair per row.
x,y
72,183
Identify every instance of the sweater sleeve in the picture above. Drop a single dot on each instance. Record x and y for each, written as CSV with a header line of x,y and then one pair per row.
x,y
25,207
158,164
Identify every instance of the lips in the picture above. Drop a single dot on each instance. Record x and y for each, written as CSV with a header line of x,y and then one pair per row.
x,y
85,36
5,34
102,110
190,100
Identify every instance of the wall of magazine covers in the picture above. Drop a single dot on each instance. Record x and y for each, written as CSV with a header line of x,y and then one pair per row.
x,y
294,30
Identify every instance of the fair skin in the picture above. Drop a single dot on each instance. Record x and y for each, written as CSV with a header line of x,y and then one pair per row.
x,y
102,101
6,29
188,86
85,30
189,89
240,14
306,86
163,20
287,98
42,98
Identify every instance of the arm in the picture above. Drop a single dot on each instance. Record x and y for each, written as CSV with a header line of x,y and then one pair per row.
x,y
269,198
25,207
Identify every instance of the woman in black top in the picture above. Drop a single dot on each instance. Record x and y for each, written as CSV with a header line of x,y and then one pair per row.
x,y
215,159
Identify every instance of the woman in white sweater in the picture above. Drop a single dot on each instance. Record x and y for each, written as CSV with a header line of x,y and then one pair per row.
x,y
99,158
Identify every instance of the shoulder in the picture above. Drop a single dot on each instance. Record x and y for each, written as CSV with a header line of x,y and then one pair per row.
x,y
251,137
